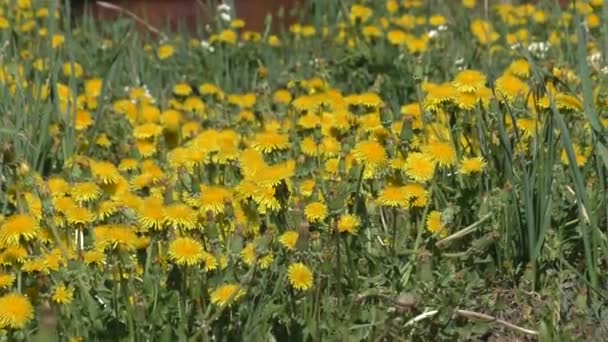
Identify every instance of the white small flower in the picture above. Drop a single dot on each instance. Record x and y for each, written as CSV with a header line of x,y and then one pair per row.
x,y
223,7
533,47
225,16
442,28
459,61
595,57
604,70
515,46
205,45
433,33
539,48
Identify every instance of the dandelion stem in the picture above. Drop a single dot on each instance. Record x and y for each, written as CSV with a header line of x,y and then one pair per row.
x,y
394,237
339,264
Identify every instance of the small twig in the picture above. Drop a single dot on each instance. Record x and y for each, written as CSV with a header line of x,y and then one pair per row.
x,y
474,315
421,317
134,16
463,232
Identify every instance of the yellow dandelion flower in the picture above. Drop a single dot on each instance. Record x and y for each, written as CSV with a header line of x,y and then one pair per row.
x,y
467,101
438,94
54,259
397,37
282,96
194,105
309,147
13,254
16,311
472,165
274,41
107,209
248,254
213,199
6,280
414,112
359,13
315,212
266,261
348,223
35,266
268,142
441,153
57,40
469,81
72,69
510,87
309,120
289,239
179,215
392,196
151,213
419,167
371,32
370,153
182,89
17,227
416,195
372,100
171,119
307,187
146,148
186,251
227,294
62,295
209,89
520,68
300,276
264,197
115,236
148,113
128,165
34,205
94,257
104,172
434,224
84,120
568,102
209,261
58,186
102,140
484,32
86,192
79,215
370,122
165,51
579,155
147,131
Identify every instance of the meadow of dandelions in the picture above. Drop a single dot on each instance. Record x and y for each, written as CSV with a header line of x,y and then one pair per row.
x,y
337,181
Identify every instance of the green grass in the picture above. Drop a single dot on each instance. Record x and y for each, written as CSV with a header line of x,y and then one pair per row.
x,y
522,245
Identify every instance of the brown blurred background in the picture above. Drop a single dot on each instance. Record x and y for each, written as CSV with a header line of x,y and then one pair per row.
x,y
172,13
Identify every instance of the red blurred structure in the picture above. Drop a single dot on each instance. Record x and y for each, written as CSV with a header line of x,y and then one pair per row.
x,y
172,13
